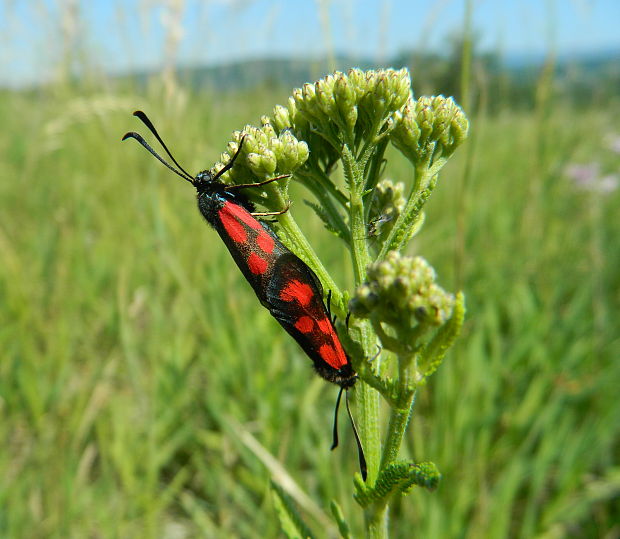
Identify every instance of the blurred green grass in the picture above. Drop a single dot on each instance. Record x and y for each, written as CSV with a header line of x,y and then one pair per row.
x,y
136,363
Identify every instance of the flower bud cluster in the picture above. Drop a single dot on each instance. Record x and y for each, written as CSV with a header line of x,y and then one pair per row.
x,y
356,103
429,124
264,154
401,291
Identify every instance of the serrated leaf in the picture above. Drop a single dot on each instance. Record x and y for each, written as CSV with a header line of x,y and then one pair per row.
x,y
398,477
434,352
323,216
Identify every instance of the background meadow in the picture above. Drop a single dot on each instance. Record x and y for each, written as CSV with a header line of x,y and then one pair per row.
x,y
145,393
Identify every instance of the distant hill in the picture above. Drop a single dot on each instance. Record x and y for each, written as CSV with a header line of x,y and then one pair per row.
x,y
247,74
514,76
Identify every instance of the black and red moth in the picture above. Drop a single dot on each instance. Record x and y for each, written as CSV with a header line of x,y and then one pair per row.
x,y
283,283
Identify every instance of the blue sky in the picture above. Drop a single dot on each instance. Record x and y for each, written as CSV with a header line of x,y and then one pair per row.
x,y
121,35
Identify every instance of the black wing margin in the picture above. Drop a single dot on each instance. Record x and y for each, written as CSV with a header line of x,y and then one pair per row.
x,y
287,268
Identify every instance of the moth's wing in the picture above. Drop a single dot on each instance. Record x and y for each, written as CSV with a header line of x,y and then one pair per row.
x,y
253,246
294,296
294,289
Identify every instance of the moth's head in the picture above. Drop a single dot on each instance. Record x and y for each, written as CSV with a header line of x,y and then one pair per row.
x,y
205,181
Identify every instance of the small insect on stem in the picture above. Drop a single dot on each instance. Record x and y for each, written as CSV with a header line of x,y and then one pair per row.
x,y
269,213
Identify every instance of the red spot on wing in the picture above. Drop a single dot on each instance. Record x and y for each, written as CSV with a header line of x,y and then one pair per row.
x,y
297,291
265,242
341,358
257,265
325,325
233,227
243,215
305,324
333,356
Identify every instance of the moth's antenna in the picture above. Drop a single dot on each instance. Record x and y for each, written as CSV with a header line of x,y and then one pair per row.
x,y
145,119
230,163
144,143
360,449
335,438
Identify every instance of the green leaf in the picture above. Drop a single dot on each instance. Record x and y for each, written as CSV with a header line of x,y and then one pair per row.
x,y
433,353
398,477
291,521
343,526
323,216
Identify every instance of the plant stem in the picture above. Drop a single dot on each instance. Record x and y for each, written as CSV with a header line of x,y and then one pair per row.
x,y
376,517
376,520
399,419
423,176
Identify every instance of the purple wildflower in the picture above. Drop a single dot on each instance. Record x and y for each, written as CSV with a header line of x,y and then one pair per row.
x,y
587,177
583,175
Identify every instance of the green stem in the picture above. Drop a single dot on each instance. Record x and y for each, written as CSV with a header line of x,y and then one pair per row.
x,y
376,517
376,520
425,180
376,514
375,170
399,419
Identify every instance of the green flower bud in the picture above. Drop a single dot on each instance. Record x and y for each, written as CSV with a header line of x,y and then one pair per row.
x,y
357,83
293,153
268,162
303,152
441,124
325,96
405,132
371,81
344,96
231,149
325,85
459,127
254,162
401,88
262,164
402,292
296,118
351,117
268,130
343,93
425,120
308,93
281,118
382,90
250,144
428,124
276,146
437,101
423,102
219,165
